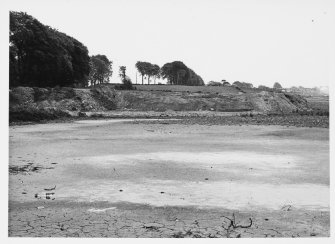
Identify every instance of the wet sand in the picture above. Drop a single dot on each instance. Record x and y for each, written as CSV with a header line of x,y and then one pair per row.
x,y
254,171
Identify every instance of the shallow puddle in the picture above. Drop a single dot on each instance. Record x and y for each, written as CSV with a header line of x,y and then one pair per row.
x,y
230,195
233,180
226,167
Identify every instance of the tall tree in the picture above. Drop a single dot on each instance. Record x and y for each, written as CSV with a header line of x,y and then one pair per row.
x,y
122,72
140,66
155,72
101,69
147,69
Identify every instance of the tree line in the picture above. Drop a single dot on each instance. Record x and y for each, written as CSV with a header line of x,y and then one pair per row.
x,y
44,57
242,84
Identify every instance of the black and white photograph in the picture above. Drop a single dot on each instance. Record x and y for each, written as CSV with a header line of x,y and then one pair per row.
x,y
167,119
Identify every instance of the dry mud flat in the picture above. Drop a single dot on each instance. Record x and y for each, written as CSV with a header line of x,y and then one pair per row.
x,y
123,179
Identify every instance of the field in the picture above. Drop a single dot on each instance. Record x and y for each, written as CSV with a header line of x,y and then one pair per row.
x,y
318,102
178,88
149,178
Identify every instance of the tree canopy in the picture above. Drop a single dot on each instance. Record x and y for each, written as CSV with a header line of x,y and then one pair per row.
x,y
177,73
42,56
100,69
276,85
148,69
243,84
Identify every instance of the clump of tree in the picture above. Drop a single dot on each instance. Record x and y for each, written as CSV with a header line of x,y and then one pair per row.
x,y
243,84
218,83
177,73
276,85
214,83
148,70
225,83
264,88
126,81
100,69
44,57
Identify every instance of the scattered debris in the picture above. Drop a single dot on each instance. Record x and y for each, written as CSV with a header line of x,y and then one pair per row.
x,y
25,169
50,189
152,226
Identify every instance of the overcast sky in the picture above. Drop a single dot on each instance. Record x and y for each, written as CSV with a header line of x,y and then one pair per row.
x,y
259,41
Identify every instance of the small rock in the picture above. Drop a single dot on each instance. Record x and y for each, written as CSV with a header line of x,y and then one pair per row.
x,y
206,178
121,190
162,192
40,207
152,225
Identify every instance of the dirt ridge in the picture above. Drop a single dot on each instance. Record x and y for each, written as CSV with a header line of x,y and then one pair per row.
x,y
34,104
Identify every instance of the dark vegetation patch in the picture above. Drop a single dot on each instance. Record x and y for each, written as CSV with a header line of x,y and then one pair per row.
x,y
27,168
36,115
251,119
105,97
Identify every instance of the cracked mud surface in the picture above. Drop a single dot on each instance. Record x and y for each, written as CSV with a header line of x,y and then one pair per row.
x,y
167,180
65,219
